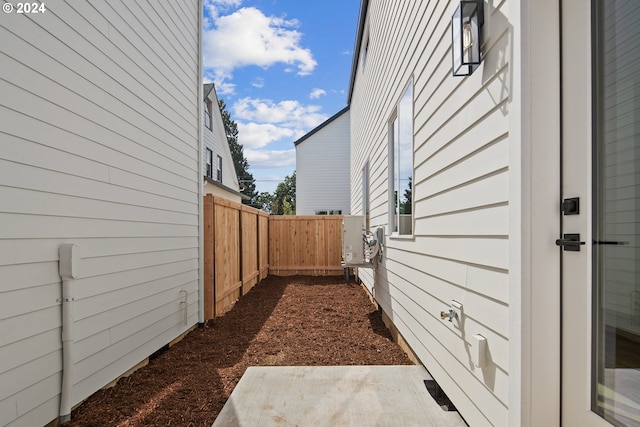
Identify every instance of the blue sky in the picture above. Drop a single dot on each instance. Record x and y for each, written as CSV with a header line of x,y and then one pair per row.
x,y
282,67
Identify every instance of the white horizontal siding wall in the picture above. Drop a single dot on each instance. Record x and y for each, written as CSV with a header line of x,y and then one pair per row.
x,y
98,147
460,247
322,169
216,140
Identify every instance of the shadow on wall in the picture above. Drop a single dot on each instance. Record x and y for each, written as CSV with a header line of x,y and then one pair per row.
x,y
380,290
497,54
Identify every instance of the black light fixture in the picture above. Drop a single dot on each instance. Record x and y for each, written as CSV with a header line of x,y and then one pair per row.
x,y
466,36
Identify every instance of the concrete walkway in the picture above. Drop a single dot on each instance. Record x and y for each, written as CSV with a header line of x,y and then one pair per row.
x,y
332,396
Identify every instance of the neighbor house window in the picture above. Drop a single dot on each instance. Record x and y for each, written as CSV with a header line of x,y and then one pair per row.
x,y
207,113
219,169
328,212
209,160
401,164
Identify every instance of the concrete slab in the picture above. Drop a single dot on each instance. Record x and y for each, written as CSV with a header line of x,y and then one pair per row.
x,y
334,396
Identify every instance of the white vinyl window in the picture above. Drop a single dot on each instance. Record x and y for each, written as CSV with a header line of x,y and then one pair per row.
x,y
209,161
219,169
207,113
401,164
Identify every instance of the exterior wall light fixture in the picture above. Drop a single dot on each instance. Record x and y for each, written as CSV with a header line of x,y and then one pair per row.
x,y
466,25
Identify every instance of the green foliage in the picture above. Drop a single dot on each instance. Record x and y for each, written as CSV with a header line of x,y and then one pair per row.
x,y
406,203
264,201
284,198
245,178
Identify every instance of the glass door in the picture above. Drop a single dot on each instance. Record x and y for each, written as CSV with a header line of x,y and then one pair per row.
x,y
616,226
601,213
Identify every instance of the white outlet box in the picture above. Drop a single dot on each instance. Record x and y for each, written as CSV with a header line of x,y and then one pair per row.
x,y
479,351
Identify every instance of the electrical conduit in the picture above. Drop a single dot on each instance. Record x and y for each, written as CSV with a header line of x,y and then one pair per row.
x,y
68,267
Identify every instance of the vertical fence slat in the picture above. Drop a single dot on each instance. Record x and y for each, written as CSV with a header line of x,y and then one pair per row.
x,y
263,244
228,281
209,280
249,260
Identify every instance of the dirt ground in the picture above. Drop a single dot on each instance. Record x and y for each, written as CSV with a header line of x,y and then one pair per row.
x,y
283,321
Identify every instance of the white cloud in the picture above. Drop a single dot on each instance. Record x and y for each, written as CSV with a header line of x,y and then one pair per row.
x,y
271,159
214,7
248,37
317,93
258,135
288,113
258,82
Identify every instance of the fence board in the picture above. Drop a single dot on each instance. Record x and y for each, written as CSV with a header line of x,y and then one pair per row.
x,y
263,245
249,243
228,281
209,230
305,245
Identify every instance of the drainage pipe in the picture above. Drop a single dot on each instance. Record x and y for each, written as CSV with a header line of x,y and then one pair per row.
x,y
200,167
68,266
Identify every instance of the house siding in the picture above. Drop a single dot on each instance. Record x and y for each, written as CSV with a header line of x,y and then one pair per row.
x,y
459,249
99,118
322,169
215,139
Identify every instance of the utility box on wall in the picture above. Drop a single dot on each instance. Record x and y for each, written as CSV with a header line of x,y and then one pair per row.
x,y
352,243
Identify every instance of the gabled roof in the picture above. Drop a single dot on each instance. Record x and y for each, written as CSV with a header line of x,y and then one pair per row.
x,y
321,125
208,87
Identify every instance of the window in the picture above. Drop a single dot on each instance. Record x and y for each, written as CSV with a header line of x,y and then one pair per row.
x,y
207,113
219,169
401,164
209,160
328,212
365,193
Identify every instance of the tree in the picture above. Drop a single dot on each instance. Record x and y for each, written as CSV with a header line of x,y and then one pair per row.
x,y
284,198
245,178
264,201
406,202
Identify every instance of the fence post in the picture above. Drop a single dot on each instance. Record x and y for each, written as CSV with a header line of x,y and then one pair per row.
x,y
209,245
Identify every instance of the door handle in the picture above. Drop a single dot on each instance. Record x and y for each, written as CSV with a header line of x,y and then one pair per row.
x,y
570,242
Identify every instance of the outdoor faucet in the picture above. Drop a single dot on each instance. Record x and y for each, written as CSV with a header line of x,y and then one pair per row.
x,y
449,314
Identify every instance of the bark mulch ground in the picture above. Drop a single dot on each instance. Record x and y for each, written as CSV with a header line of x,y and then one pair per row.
x,y
283,321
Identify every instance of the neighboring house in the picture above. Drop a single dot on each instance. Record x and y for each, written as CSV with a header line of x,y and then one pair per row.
x,y
322,168
220,176
467,176
99,147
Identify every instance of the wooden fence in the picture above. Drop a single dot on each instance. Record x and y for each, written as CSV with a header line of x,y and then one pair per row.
x,y
243,245
309,245
235,252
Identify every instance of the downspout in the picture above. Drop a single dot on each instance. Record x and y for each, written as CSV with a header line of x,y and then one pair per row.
x,y
200,170
69,263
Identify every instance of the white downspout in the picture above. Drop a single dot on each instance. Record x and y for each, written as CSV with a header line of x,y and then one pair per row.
x,y
200,168
69,263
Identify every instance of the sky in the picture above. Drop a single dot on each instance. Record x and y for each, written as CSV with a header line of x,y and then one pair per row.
x,y
282,67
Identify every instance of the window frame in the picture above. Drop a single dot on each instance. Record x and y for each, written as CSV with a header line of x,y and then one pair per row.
x,y
208,106
400,127
366,205
208,162
218,168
